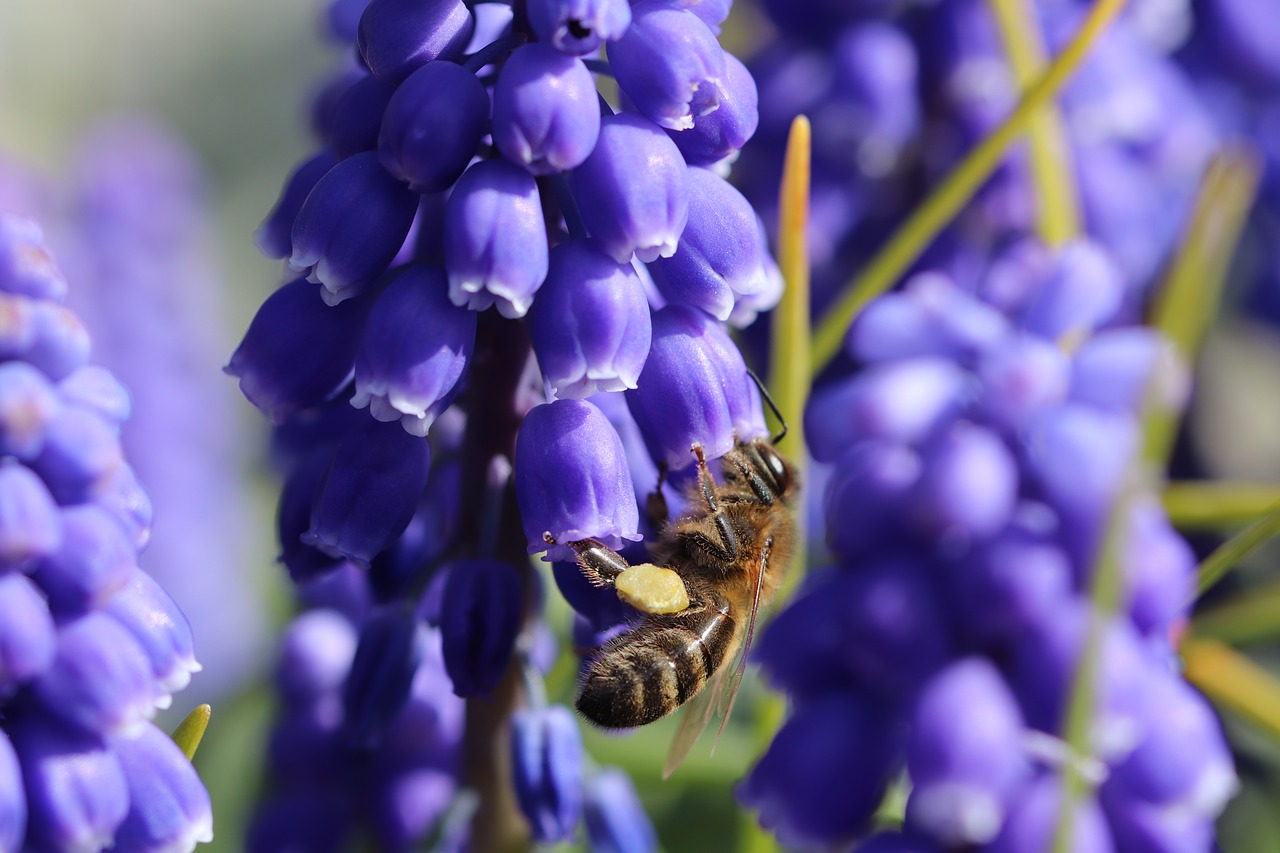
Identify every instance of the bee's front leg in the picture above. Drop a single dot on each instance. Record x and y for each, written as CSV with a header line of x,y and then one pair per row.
x,y
727,548
600,563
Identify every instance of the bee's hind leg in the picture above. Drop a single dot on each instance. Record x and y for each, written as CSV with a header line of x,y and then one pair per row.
x,y
600,563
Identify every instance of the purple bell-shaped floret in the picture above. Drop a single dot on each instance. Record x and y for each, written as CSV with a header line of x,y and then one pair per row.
x,y
633,191
398,36
590,324
546,758
546,110
572,478
351,226
414,352
721,133
669,64
495,247
722,252
694,389
578,27
433,125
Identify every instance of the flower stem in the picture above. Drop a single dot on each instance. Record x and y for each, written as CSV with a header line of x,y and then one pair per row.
x,y
914,235
789,378
1232,681
1219,504
493,420
1229,554
1189,297
1057,205
1188,300
1251,617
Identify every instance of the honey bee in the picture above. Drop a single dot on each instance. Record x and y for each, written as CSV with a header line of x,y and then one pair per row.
x,y
731,550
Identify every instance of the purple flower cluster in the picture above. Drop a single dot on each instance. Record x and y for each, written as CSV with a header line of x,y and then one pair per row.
x,y
976,456
469,162
131,229
897,95
367,738
90,645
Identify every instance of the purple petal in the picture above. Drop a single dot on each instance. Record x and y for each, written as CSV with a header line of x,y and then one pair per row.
x,y
495,246
414,351
633,191
76,791
669,64
351,226
590,323
169,808
546,110
578,27
572,479
398,36
414,145
694,389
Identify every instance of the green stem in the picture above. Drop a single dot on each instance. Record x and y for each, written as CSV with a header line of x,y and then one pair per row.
x,y
1217,505
1232,681
1057,206
1208,242
914,235
1229,554
789,376
1188,300
1251,617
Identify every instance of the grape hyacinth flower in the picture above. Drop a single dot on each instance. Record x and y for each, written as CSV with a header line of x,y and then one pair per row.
x,y
484,223
973,478
90,646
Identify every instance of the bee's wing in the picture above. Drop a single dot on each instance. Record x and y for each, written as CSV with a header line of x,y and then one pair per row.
x,y
693,719
740,663
721,691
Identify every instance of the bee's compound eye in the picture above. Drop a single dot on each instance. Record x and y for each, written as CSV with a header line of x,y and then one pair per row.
x,y
777,467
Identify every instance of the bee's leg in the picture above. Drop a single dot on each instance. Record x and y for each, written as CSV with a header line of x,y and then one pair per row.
x,y
600,563
763,492
727,547
656,503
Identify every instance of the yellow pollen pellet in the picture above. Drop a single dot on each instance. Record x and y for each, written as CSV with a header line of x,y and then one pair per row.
x,y
652,589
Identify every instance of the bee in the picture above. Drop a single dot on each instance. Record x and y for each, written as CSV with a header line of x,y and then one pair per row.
x,y
731,549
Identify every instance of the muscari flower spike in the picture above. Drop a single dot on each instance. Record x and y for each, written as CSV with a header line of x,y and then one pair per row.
x,y
974,477
90,646
493,232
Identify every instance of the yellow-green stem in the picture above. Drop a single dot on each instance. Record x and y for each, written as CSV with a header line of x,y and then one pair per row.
x,y
914,235
1229,554
1193,284
789,376
1250,617
1232,681
1057,205
1188,300
1218,504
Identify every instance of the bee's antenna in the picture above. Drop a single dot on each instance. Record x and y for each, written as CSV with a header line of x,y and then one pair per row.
x,y
773,407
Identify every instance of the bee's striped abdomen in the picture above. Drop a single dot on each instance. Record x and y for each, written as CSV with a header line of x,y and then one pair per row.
x,y
657,667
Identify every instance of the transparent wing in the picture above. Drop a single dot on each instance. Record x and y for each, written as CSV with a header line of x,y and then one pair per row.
x,y
693,719
740,665
722,690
